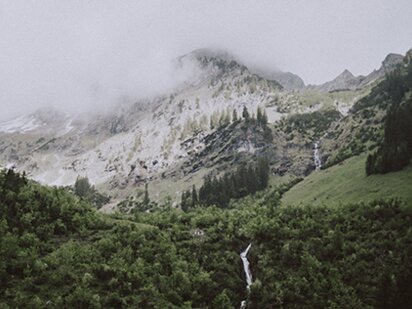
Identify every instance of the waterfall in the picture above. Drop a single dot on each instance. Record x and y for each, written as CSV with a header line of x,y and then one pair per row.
x,y
316,156
248,273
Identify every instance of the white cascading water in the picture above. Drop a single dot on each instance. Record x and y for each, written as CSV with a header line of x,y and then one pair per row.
x,y
248,273
316,156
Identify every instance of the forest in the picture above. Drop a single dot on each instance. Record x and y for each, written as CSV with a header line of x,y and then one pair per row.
x,y
57,251
245,180
394,93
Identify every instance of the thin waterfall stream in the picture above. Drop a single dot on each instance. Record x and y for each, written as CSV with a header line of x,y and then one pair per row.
x,y
316,156
248,273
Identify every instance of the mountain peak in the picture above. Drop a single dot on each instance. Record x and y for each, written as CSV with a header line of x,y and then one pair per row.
x,y
408,56
391,61
343,81
213,53
212,62
345,75
288,80
208,55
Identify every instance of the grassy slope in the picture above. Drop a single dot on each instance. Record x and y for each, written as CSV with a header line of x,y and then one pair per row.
x,y
347,182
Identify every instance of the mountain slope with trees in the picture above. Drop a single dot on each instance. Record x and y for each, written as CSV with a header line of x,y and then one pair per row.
x,y
395,150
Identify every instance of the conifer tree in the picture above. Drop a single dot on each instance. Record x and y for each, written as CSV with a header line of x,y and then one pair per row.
x,y
251,180
82,186
245,113
183,202
262,173
259,115
146,199
195,199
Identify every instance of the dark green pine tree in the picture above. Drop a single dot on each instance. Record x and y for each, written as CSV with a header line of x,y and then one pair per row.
x,y
251,180
183,202
241,179
146,199
82,187
195,199
259,115
228,185
264,118
205,191
186,200
245,113
262,173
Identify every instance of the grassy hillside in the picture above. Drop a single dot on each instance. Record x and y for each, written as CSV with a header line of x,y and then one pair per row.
x,y
347,183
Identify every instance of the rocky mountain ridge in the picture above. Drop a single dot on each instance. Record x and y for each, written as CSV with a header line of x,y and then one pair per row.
x,y
347,81
173,140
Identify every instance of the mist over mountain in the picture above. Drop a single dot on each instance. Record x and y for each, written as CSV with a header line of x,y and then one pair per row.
x,y
171,136
91,55
220,154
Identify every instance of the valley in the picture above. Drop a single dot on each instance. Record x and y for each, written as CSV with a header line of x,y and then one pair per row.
x,y
171,142
206,154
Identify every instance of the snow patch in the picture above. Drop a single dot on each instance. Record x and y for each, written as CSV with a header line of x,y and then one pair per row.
x,y
20,124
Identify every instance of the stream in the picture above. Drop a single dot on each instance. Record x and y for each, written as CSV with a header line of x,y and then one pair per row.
x,y
248,273
316,156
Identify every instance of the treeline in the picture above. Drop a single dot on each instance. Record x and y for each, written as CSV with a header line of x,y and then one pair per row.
x,y
245,180
395,151
224,119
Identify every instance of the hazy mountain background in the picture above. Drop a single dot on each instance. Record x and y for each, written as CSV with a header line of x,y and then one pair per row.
x,y
219,154
91,55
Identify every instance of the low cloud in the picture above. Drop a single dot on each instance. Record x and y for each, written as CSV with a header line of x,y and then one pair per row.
x,y
81,55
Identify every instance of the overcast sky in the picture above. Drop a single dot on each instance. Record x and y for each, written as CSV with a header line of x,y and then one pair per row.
x,y
85,53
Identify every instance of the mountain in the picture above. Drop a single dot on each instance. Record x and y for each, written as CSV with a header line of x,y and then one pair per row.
x,y
288,80
139,140
347,81
172,141
280,187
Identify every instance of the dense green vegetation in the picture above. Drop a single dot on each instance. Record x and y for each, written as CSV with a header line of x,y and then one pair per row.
x,y
314,124
56,251
394,95
247,179
395,152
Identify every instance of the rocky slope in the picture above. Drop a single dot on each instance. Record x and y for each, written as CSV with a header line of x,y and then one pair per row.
x,y
288,80
173,140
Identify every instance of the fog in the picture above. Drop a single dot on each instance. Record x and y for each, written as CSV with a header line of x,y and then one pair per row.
x,y
85,55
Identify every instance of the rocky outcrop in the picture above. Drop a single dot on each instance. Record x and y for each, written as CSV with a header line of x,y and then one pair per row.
x,y
288,80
